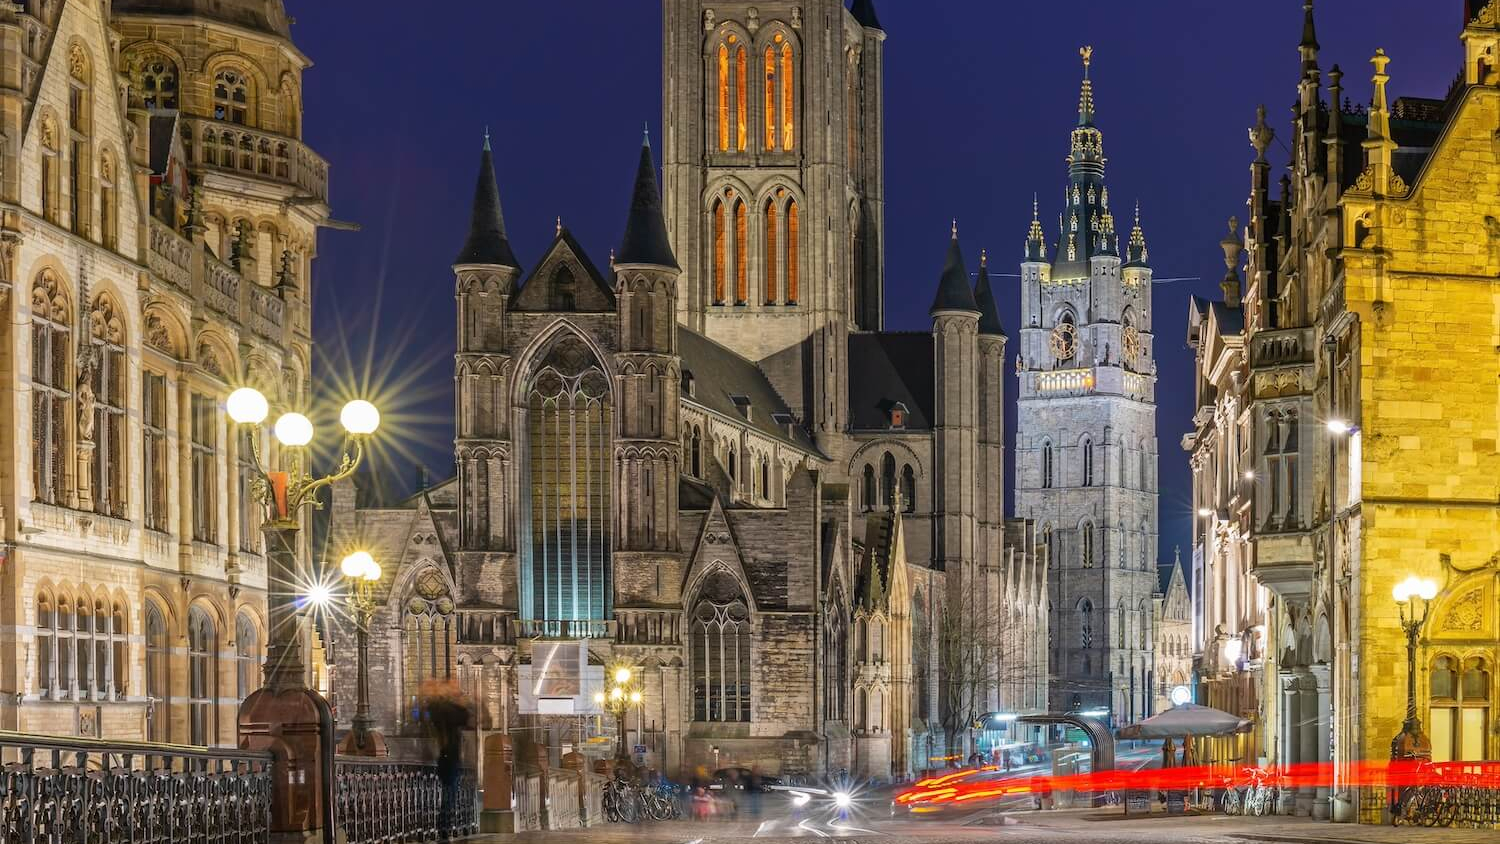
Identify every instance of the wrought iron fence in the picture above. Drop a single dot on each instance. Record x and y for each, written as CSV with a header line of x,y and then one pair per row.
x,y
378,801
73,790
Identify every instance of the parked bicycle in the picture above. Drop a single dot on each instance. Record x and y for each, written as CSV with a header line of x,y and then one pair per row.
x,y
1259,797
1451,798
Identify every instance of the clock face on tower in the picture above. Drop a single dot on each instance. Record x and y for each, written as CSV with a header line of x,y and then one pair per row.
x,y
1064,341
1131,341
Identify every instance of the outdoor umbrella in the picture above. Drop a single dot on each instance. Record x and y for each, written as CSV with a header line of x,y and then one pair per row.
x,y
1185,719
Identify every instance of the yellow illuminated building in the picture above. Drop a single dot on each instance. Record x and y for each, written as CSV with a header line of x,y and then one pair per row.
x,y
1367,444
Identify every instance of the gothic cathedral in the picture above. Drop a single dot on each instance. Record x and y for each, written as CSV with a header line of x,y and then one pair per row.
x,y
1086,437
705,460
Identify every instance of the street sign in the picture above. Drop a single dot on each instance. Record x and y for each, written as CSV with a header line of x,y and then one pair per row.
x,y
1137,802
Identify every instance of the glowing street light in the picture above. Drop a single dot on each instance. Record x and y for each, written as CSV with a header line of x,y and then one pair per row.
x,y
623,695
1413,596
1340,427
362,572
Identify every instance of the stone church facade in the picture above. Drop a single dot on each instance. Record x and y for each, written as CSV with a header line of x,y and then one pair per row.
x,y
159,221
1086,446
704,458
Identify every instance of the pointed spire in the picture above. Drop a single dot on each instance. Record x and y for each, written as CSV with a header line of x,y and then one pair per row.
x,y
864,14
1135,253
487,243
984,299
1036,241
1086,94
1309,46
646,240
953,293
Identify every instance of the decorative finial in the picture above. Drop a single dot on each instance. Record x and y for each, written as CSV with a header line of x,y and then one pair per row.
x,y
611,257
1034,207
486,137
1261,134
1087,52
984,257
559,225
646,134
1085,94
955,228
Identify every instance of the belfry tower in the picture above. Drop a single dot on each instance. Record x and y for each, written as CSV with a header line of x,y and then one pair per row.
x,y
774,190
1086,435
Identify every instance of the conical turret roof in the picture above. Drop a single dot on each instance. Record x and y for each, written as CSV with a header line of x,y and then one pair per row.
x,y
487,243
864,13
984,297
646,240
953,293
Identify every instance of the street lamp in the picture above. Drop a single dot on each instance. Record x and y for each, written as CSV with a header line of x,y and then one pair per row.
x,y
362,573
284,493
624,694
1411,742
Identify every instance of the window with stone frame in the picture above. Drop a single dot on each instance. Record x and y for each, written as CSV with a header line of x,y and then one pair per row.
x,y
232,101
250,511
119,634
1047,465
1085,623
107,428
719,645
155,464
247,658
1086,448
836,656
731,94
429,636
1279,452
887,480
51,187
80,127
51,389
46,644
1459,709
205,459
203,679
109,210
157,680
155,77
908,489
1086,543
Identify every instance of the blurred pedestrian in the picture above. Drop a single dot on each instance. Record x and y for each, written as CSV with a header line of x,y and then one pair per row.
x,y
447,717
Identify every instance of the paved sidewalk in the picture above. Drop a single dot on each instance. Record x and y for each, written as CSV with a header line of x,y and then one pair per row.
x,y
1269,829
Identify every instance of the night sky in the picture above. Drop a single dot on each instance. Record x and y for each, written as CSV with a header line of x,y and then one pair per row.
x,y
980,94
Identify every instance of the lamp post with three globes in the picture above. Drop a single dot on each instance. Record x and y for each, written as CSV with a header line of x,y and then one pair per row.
x,y
362,573
623,695
1411,742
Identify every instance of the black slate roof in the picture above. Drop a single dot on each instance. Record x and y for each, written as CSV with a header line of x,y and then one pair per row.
x,y
989,310
719,374
886,368
646,240
953,293
864,13
487,243
267,16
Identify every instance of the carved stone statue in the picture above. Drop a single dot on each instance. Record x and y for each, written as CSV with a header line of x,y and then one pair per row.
x,y
88,363
708,20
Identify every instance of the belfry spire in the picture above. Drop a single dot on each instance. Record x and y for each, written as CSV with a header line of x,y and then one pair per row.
x,y
487,243
646,240
1036,241
1135,253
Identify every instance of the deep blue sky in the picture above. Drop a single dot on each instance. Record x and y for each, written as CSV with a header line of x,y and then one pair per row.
x,y
980,98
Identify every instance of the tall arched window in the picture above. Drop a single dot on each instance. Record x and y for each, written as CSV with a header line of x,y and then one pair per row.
x,y
109,212
1086,541
772,131
51,187
156,674
119,634
1087,447
106,392
104,674
51,389
720,643
721,250
1120,625
156,79
772,280
871,492
1086,623
732,88
80,126
741,254
83,640
567,535
887,479
836,655
1047,465
921,657
908,489
780,100
64,685
46,643
793,252
232,96
1145,546
429,635
203,677
246,655
1460,709
697,452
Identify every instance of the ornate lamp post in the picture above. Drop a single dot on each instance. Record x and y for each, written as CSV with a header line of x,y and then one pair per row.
x,y
284,494
362,574
622,696
285,717
1411,742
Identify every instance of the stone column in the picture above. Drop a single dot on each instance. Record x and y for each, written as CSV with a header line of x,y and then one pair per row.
x,y
1307,734
1290,747
1324,714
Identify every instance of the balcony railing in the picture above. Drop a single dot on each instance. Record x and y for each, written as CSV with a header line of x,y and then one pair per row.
x,y
67,790
1065,380
221,287
255,153
170,256
531,628
1281,347
191,268
378,801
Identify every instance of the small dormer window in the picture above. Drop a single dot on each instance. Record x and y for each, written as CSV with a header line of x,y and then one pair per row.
x,y
742,403
898,416
689,387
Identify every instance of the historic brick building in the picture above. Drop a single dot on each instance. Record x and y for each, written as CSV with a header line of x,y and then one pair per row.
x,y
1086,436
159,220
705,459
1363,444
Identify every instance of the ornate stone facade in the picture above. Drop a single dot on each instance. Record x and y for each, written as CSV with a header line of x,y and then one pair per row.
x,y
134,584
1086,437
1366,450
704,459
